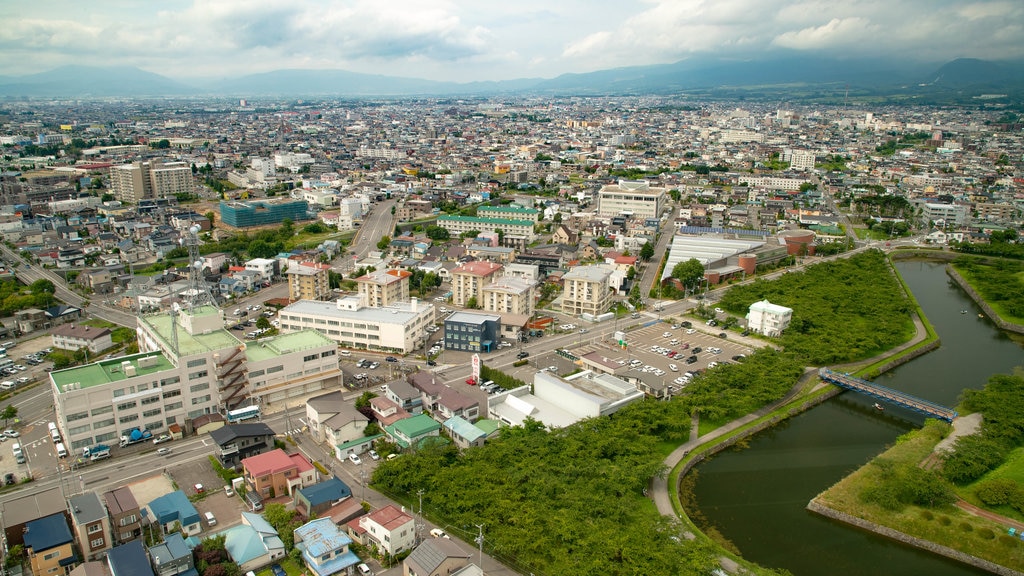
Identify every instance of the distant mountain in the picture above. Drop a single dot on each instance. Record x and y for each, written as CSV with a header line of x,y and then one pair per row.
x,y
93,82
796,77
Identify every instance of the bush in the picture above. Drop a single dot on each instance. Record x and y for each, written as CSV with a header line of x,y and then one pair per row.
x,y
986,534
945,521
998,491
927,515
966,527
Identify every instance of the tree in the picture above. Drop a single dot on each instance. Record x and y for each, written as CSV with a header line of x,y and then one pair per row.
x,y
211,217
263,323
689,272
287,228
9,413
438,234
557,218
647,251
471,303
42,286
383,243
392,209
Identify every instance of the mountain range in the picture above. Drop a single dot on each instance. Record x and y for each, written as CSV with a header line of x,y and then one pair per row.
x,y
964,78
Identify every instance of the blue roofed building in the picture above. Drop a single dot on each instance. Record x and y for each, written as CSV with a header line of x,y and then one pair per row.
x,y
128,559
49,544
254,543
173,557
324,547
464,433
175,508
320,497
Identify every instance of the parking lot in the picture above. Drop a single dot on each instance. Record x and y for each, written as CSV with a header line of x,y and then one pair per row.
x,y
670,351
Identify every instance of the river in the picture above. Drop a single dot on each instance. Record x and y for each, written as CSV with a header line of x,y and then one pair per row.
x,y
756,496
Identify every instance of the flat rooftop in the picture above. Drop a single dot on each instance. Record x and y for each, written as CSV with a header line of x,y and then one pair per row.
x,y
388,315
275,346
190,344
107,371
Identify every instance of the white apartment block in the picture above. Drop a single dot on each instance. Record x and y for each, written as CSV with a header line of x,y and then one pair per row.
x,y
263,266
508,295
188,366
171,179
585,290
384,287
528,272
130,183
768,319
955,214
510,228
638,198
771,182
470,278
798,159
399,328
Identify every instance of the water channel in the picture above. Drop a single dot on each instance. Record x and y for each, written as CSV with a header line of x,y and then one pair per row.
x,y
756,496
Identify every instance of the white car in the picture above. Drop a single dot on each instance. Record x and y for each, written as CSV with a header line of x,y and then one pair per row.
x,y
552,368
673,367
354,458
719,310
666,334
691,331
712,364
438,533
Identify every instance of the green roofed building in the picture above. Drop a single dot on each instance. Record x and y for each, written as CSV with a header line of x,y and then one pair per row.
x,y
511,228
410,431
508,213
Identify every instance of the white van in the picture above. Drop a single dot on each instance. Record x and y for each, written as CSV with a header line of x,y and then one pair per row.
x,y
62,452
210,520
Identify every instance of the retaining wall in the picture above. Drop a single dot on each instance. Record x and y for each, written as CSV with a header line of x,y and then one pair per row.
x,y
1002,324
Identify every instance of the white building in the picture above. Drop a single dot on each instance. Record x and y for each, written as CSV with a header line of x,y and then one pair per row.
x,y
948,214
586,289
399,328
263,266
559,402
638,198
508,295
768,319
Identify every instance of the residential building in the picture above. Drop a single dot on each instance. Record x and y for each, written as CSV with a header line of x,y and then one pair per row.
x,y
772,182
237,442
768,319
244,214
308,281
128,559
77,336
435,557
325,547
948,214
317,499
470,278
91,525
528,272
276,473
508,213
472,331
333,420
397,328
384,287
408,432
519,230
125,514
463,432
133,182
254,543
391,529
172,557
49,545
173,511
631,197
265,267
559,402
17,512
405,396
585,290
508,295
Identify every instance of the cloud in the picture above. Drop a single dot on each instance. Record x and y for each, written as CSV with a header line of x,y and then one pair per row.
x,y
834,34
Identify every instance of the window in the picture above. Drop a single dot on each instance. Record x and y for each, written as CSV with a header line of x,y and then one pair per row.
x,y
151,413
172,406
118,392
197,375
128,418
309,358
200,400
196,362
169,381
76,430
273,369
126,405
256,373
171,394
328,353
52,555
96,425
77,416
200,387
94,528
103,410
150,400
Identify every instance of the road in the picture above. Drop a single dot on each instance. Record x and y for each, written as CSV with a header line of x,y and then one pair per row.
x,y
377,224
668,231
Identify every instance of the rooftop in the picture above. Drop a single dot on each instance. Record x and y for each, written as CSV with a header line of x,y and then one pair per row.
x,y
478,268
596,273
282,344
190,344
108,371
477,220
397,314
472,317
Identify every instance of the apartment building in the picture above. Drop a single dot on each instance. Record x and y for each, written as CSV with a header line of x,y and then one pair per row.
x,y
125,514
397,328
384,287
76,336
308,281
772,182
585,290
508,295
508,213
138,180
634,197
470,278
520,229
951,214
472,332
768,319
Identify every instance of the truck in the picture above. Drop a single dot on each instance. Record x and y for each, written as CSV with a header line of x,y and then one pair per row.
x,y
135,436
96,453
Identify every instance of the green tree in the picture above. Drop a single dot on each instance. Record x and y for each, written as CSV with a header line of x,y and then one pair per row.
x,y
647,251
364,400
42,287
471,303
211,217
438,234
263,323
392,209
15,556
689,272
9,413
383,243
287,229
557,218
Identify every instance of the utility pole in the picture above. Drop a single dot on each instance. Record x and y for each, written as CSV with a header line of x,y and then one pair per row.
x,y
419,527
480,542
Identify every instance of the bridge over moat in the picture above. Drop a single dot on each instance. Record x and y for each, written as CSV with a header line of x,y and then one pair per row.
x,y
896,397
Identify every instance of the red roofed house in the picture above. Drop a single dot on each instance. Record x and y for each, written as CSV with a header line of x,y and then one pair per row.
x,y
277,473
389,528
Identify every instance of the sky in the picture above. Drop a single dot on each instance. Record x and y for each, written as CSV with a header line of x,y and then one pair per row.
x,y
469,40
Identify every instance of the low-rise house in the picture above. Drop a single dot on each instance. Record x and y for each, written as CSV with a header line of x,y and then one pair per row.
x,y
332,420
254,543
49,545
76,336
410,431
435,557
320,497
454,403
239,441
276,473
125,514
325,547
405,396
18,512
172,557
129,560
389,529
463,432
386,412
91,524
175,509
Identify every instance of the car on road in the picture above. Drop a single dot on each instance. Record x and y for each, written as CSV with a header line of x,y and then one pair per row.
x,y
11,433
373,454
471,381
583,330
164,452
522,354
344,353
391,359
431,363
161,439
438,533
354,458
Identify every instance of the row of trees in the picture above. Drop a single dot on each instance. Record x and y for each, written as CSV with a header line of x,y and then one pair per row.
x,y
15,297
998,282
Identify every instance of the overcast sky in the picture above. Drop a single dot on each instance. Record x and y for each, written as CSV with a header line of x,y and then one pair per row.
x,y
464,40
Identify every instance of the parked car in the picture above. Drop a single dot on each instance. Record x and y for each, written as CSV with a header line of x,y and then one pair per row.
x,y
471,381
161,439
11,433
373,454
374,365
391,359
354,458
431,363
9,479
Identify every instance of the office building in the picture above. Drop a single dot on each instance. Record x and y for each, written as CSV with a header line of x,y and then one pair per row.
x,y
399,328
243,214
631,197
472,332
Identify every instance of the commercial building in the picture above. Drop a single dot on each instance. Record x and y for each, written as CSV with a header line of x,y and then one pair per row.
x,y
586,290
636,198
384,287
244,214
308,281
768,319
508,295
472,332
511,229
397,328
559,402
949,214
470,278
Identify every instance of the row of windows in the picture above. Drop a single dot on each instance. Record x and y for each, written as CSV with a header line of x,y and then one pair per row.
x,y
200,400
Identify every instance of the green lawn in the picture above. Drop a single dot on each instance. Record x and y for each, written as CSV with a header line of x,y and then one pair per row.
x,y
291,567
1013,469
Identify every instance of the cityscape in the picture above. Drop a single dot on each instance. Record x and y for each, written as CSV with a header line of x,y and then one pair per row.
x,y
377,314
